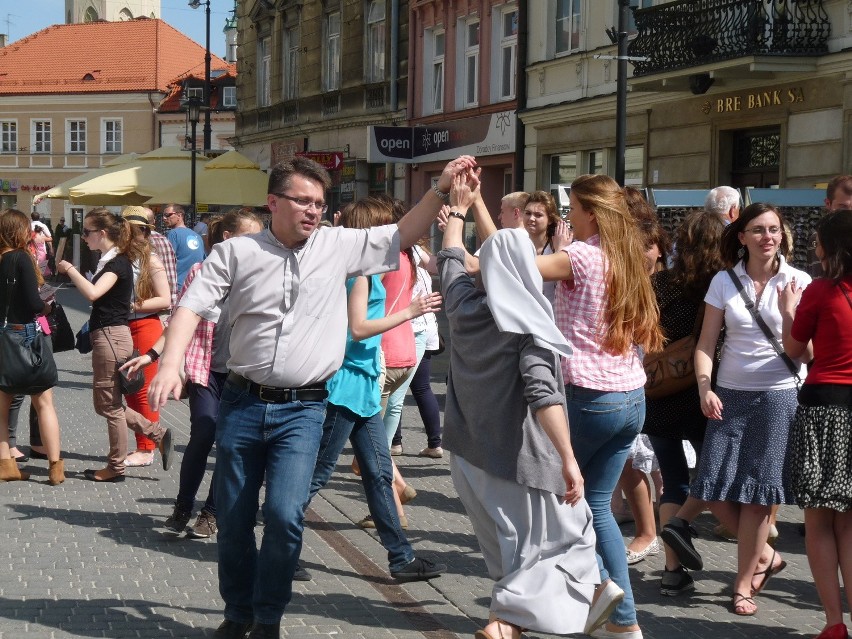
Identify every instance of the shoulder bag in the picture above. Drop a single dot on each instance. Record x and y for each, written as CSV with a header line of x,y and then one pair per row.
x,y
61,333
26,365
764,327
672,370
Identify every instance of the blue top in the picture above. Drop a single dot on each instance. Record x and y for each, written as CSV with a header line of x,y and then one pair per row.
x,y
356,385
189,249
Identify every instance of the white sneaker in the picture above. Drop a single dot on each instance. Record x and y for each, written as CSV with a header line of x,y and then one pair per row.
x,y
601,609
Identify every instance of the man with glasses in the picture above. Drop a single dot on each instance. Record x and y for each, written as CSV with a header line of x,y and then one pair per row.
x,y
186,243
287,307
838,196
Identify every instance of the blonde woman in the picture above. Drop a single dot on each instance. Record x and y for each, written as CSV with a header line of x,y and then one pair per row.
x,y
605,306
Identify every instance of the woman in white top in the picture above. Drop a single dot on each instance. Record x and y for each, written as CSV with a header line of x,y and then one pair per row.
x,y
744,466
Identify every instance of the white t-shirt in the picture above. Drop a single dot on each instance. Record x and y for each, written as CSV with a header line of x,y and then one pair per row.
x,y
423,286
748,360
40,227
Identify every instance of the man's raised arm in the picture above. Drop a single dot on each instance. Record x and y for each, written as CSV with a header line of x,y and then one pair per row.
x,y
415,224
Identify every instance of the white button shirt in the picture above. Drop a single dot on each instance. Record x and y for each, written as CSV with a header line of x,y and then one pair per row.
x,y
287,307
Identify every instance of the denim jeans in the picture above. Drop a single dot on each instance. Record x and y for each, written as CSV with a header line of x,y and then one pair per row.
x,y
203,409
394,403
673,467
367,435
257,440
603,426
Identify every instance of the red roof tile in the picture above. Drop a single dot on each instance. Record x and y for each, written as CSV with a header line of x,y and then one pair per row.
x,y
100,57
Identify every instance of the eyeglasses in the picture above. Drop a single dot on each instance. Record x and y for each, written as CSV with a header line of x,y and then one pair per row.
x,y
169,214
322,207
759,231
86,232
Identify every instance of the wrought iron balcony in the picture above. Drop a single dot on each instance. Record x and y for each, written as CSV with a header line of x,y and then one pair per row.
x,y
689,33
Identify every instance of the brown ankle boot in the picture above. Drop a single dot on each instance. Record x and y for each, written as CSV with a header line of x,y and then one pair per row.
x,y
9,471
56,474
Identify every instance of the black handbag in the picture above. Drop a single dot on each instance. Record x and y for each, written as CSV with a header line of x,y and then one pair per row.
x,y
131,383
26,364
83,340
61,333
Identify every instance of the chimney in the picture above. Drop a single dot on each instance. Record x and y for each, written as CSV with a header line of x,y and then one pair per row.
x,y
3,38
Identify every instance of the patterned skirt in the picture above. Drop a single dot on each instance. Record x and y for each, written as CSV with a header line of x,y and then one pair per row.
x,y
822,457
746,455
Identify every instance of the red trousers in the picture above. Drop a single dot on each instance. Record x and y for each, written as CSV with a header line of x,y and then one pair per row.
x,y
145,332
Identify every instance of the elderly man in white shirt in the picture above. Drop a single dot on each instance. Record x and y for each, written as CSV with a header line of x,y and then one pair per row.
x,y
287,305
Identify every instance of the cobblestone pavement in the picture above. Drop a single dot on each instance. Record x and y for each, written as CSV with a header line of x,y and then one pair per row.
x,y
87,560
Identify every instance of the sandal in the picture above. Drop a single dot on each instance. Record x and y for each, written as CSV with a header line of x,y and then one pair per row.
x,y
484,634
738,604
768,572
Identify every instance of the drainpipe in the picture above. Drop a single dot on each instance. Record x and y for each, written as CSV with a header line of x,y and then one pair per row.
x,y
394,56
521,93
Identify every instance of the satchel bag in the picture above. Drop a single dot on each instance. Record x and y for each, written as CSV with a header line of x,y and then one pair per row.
x,y
61,333
26,364
83,340
672,370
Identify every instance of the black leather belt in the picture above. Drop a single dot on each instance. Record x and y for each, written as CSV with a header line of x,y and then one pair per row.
x,y
277,395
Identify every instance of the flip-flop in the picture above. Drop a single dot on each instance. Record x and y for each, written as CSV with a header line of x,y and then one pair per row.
x,y
737,602
769,572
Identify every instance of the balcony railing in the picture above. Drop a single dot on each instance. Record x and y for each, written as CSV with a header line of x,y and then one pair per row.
x,y
689,33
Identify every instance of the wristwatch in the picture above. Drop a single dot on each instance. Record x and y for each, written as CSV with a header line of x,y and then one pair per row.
x,y
444,196
461,216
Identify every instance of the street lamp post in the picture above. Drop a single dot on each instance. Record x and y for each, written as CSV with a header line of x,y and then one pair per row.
x,y
193,114
207,130
618,36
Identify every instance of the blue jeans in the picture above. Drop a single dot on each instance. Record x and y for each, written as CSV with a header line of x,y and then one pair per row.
x,y
203,409
367,435
673,467
603,427
254,440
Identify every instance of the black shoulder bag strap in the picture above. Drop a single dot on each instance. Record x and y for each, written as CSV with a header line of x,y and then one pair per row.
x,y
10,286
764,327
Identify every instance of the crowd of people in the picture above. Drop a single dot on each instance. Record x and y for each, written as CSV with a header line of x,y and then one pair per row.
x,y
291,340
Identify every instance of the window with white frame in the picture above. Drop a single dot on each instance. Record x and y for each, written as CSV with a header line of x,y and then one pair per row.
x,y
229,97
374,50
264,71
41,136
507,53
470,62
194,92
331,63
8,136
568,17
434,40
112,139
292,38
75,136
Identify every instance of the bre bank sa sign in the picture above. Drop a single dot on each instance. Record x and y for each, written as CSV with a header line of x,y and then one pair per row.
x,y
482,135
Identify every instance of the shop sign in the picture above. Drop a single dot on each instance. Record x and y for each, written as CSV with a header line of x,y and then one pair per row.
x,y
481,135
754,100
328,161
347,182
9,185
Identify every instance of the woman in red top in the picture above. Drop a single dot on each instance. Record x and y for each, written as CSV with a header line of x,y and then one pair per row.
x,y
822,431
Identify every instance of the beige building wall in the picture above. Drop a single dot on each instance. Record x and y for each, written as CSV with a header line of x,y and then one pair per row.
x,y
31,172
683,140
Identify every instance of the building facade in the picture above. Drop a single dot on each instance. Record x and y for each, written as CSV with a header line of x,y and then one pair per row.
x,y
749,93
77,11
75,96
467,59
313,76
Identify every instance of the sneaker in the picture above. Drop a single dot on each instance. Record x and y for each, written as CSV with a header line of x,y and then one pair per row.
x,y
676,582
396,450
232,630
434,453
176,523
418,569
301,573
678,535
204,527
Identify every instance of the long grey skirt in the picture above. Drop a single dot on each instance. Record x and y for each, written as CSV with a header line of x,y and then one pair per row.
x,y
539,550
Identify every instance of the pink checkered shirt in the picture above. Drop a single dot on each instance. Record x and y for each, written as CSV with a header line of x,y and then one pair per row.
x,y
200,350
579,311
163,248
